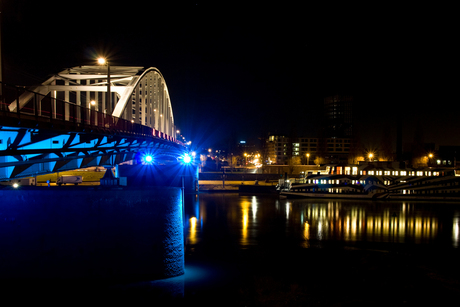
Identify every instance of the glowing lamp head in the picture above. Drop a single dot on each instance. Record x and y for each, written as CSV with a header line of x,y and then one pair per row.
x,y
148,159
15,185
101,61
187,159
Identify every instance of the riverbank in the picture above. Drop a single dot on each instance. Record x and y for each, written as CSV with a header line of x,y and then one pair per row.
x,y
236,186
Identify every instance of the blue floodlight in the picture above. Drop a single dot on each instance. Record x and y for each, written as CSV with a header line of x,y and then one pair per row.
x,y
148,158
187,159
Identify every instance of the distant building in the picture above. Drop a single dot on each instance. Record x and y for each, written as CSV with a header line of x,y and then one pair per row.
x,y
280,149
447,156
277,150
338,116
335,146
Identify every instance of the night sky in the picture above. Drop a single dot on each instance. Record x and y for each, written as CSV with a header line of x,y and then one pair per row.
x,y
237,71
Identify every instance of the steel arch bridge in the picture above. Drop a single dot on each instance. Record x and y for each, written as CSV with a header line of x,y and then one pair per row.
x,y
137,94
86,116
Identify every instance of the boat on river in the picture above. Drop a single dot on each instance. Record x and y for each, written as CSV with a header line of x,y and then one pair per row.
x,y
375,181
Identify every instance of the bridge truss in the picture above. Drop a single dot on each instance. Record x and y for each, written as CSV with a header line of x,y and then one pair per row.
x,y
137,94
66,123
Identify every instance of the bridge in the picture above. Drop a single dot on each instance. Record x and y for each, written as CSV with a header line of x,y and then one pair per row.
x,y
86,116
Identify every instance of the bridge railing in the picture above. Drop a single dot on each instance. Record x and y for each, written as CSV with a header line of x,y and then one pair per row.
x,y
49,109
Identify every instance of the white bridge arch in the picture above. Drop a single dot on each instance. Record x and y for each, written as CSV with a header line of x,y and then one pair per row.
x,y
136,94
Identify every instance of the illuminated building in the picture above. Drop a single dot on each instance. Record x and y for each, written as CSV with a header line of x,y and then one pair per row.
x,y
278,149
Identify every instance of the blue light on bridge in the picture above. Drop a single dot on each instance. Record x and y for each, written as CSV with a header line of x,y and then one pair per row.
x,y
148,159
187,159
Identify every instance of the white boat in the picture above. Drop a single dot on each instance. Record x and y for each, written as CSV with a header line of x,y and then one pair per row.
x,y
377,182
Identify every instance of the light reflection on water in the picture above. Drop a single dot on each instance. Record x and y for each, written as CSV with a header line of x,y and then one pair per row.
x,y
252,220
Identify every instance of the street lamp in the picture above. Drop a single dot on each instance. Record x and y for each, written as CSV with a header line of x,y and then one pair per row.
x,y
371,155
103,61
430,156
308,158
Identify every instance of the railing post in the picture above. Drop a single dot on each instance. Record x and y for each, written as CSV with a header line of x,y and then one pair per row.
x,y
36,105
17,102
3,97
74,114
64,107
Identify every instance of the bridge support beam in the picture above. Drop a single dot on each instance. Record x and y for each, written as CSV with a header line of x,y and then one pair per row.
x,y
154,175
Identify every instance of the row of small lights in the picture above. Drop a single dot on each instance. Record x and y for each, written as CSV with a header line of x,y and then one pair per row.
x,y
183,138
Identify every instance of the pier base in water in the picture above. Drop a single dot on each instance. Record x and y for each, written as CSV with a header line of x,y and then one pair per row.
x,y
109,233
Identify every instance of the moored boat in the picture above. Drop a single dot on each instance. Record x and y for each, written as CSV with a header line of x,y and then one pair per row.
x,y
377,181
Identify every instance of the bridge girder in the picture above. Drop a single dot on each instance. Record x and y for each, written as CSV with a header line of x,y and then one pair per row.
x,y
28,152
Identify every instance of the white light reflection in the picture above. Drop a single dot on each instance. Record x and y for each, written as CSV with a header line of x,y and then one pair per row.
x,y
320,230
254,208
456,231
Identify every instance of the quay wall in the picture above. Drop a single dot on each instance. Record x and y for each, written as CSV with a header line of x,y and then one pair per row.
x,y
239,176
79,232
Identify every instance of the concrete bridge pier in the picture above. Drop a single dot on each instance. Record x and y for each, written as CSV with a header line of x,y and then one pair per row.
x,y
91,233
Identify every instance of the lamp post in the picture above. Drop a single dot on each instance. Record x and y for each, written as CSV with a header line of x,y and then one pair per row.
x,y
103,61
308,158
430,156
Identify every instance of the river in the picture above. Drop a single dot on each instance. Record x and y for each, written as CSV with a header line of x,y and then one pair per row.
x,y
247,221
261,250
245,250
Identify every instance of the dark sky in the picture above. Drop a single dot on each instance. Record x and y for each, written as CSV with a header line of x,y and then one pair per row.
x,y
237,71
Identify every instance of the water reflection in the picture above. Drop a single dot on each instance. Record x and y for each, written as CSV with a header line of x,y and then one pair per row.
x,y
249,220
252,219
456,231
193,219
192,237
361,222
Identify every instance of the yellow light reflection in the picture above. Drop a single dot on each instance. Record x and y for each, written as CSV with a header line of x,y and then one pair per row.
x,y
353,224
306,232
288,208
306,235
245,216
192,237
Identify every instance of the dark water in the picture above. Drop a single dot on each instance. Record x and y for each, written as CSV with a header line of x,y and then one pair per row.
x,y
251,221
261,250
264,251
